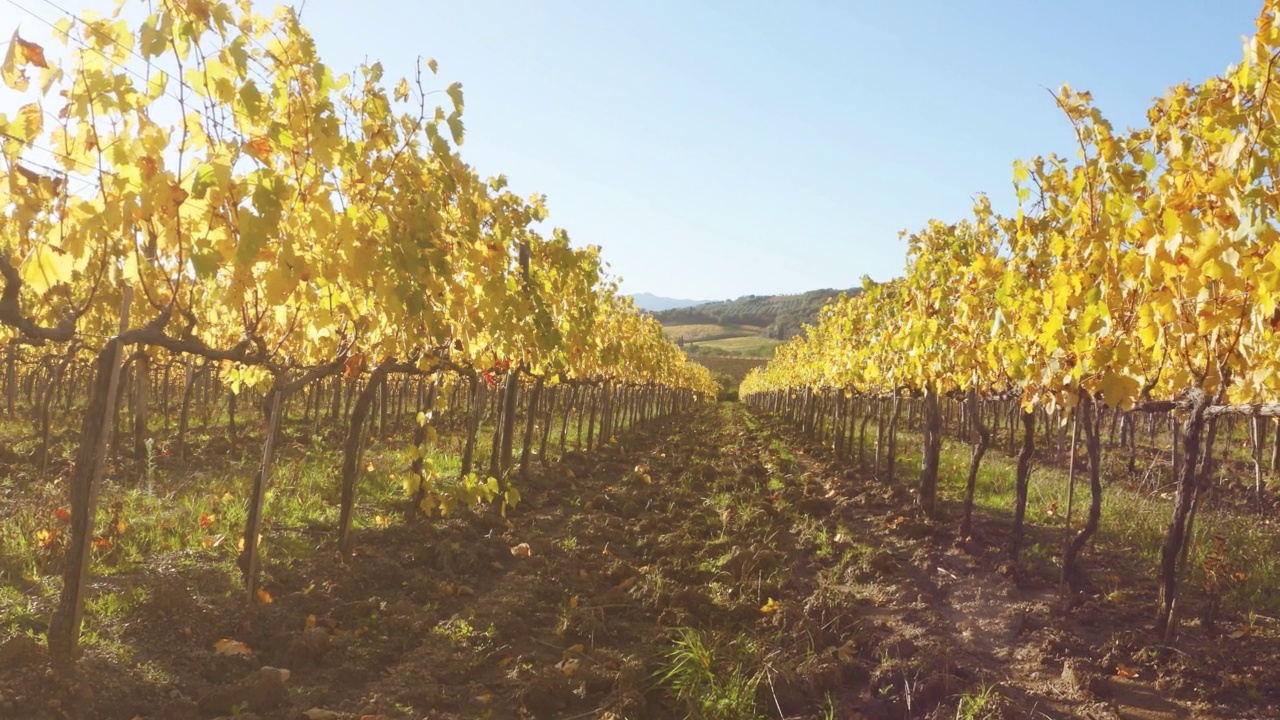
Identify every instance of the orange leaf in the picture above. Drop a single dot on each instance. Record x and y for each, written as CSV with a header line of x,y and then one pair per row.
x,y
63,514
102,543
31,52
178,194
264,596
1126,672
258,147
770,607
353,366
522,550
147,167
207,520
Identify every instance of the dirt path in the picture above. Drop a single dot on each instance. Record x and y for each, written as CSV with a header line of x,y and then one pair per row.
x,y
703,567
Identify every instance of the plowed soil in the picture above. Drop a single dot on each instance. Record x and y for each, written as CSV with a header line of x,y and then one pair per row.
x,y
820,591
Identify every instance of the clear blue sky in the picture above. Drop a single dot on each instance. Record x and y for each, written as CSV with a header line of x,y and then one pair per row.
x,y
717,149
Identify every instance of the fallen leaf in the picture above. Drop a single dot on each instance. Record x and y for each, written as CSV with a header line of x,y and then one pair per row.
x,y
46,538
521,550
568,667
1125,671
62,514
573,602
309,623
264,596
770,607
231,647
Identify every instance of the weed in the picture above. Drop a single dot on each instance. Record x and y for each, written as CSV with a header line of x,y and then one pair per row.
x,y
984,704
456,630
706,680
829,711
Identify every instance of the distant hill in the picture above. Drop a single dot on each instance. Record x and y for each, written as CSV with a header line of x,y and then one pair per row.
x,y
655,303
777,317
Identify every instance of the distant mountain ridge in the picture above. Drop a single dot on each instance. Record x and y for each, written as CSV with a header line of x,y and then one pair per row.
x,y
781,316
655,303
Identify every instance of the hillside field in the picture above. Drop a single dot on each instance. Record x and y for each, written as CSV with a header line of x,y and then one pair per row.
x,y
701,332
735,367
742,346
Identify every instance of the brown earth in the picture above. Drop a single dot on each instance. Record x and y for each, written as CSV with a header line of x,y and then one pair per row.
x,y
822,586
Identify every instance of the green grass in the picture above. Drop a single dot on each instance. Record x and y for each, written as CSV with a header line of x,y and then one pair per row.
x,y
1243,563
982,704
711,678
196,510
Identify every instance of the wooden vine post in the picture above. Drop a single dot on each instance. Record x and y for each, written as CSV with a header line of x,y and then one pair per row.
x,y
1179,526
64,626
932,452
251,561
